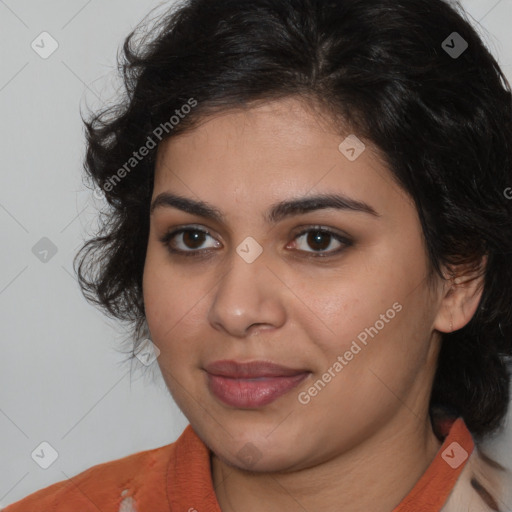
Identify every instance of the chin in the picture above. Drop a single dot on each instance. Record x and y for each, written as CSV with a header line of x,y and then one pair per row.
x,y
251,458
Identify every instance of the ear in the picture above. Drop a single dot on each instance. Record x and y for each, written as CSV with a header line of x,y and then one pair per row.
x,y
461,295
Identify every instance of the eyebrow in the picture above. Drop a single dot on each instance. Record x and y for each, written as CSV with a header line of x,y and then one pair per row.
x,y
276,213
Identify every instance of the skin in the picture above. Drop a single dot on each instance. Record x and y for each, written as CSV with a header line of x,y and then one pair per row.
x,y
368,428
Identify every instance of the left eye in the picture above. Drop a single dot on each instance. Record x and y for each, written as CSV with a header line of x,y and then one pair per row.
x,y
320,240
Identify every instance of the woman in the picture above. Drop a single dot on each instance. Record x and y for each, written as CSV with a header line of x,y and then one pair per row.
x,y
309,225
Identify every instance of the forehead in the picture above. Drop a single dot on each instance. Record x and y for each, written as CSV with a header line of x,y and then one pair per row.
x,y
270,152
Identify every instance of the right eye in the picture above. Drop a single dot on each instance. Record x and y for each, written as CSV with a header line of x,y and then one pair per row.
x,y
187,241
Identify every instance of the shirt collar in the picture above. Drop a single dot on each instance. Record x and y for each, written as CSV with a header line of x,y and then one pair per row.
x,y
190,485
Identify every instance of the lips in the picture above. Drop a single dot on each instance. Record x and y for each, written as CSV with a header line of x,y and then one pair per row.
x,y
250,370
253,384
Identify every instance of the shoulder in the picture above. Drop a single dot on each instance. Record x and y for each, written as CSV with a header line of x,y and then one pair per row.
x,y
481,486
101,487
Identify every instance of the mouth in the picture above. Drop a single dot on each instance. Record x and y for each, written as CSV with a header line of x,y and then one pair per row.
x,y
253,384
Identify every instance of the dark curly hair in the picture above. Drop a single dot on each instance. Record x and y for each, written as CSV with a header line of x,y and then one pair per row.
x,y
384,69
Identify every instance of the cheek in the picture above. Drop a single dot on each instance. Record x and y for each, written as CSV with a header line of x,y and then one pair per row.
x,y
158,296
174,304
371,318
168,309
164,298
344,308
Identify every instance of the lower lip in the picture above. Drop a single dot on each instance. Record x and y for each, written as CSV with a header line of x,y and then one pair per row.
x,y
249,393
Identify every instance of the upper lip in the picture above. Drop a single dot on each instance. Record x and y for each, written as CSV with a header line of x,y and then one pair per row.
x,y
249,370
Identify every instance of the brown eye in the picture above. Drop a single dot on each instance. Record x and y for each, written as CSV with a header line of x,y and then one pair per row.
x,y
188,241
193,239
319,240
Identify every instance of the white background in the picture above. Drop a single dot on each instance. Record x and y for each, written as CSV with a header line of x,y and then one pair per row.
x,y
62,377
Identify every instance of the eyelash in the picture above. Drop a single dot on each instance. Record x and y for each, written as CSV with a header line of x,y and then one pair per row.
x,y
167,237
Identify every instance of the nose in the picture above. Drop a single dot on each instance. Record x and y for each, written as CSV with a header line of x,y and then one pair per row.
x,y
248,299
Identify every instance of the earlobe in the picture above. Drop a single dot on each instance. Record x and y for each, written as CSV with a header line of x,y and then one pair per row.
x,y
461,296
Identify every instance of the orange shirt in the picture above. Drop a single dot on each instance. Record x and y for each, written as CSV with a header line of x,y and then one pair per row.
x,y
177,478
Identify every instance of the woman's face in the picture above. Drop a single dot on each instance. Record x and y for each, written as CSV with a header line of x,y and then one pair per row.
x,y
351,317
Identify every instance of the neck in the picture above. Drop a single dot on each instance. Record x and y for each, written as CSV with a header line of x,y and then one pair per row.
x,y
389,463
